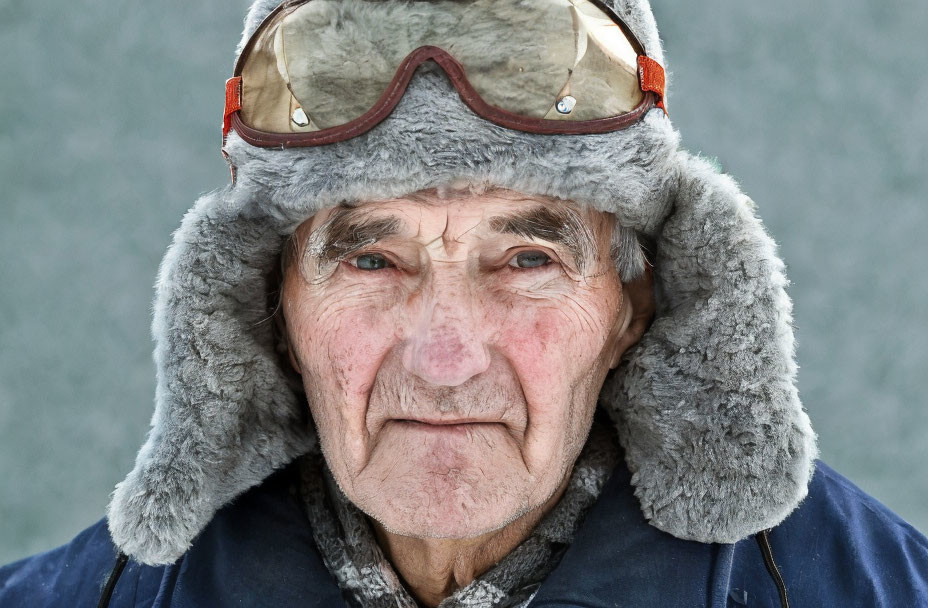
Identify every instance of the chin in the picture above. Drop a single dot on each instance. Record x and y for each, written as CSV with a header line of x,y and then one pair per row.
x,y
433,510
429,500
446,482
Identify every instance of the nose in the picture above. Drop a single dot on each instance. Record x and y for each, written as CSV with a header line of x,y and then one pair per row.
x,y
446,348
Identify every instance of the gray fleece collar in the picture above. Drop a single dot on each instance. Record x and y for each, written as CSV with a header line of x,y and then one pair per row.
x,y
705,405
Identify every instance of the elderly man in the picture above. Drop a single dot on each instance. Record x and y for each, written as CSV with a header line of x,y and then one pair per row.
x,y
468,328
453,350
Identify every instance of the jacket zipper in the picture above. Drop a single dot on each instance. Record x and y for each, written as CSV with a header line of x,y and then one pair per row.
x,y
763,540
107,594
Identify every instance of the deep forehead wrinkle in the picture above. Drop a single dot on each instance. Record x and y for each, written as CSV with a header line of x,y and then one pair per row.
x,y
351,228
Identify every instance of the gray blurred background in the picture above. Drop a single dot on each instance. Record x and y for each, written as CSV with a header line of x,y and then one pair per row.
x,y
109,130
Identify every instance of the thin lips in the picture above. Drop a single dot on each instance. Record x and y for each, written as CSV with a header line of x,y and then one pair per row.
x,y
449,421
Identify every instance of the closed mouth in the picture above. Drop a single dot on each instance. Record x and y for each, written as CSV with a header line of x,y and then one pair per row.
x,y
445,425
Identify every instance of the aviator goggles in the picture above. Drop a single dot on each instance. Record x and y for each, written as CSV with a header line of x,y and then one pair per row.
x,y
322,71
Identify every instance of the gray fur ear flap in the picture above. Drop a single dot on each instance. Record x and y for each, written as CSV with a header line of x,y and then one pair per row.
x,y
225,414
706,404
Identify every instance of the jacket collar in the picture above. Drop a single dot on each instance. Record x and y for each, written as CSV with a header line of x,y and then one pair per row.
x,y
616,557
262,544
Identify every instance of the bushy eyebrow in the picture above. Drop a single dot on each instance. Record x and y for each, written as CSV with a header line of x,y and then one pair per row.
x,y
346,231
351,228
561,226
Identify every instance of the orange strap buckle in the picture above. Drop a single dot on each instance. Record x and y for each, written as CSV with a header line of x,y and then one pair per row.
x,y
233,103
652,77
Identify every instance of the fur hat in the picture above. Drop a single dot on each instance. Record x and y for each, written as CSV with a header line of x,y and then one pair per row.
x,y
705,405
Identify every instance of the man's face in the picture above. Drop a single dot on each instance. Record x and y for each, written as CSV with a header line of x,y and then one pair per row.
x,y
452,351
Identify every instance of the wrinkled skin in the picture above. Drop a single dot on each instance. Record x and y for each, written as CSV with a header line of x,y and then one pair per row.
x,y
452,380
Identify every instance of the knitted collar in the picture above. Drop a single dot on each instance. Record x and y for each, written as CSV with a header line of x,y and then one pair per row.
x,y
349,548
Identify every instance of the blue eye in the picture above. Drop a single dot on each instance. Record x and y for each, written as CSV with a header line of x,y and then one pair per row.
x,y
529,259
371,261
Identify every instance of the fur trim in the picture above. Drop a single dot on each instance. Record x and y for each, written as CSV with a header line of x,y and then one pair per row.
x,y
705,405
224,417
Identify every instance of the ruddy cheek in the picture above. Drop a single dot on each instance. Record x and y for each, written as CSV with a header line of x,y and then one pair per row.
x,y
534,344
355,346
347,352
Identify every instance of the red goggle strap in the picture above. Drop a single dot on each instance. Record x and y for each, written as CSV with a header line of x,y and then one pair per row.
x,y
233,103
652,78
650,75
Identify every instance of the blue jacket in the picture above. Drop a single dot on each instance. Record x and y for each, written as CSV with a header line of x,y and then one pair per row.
x,y
839,548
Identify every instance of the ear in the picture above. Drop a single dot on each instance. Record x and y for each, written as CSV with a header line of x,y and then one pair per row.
x,y
280,323
638,306
293,361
